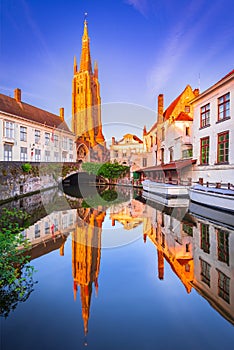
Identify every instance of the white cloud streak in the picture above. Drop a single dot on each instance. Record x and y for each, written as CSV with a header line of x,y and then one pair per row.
x,y
141,6
178,43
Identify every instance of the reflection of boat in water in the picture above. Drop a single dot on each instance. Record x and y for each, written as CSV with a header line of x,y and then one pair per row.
x,y
164,190
218,198
216,216
169,202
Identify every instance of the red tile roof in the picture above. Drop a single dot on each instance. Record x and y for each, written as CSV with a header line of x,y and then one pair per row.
x,y
171,107
136,138
184,117
31,113
179,164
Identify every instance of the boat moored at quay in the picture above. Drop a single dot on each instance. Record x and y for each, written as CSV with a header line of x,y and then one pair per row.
x,y
218,198
167,191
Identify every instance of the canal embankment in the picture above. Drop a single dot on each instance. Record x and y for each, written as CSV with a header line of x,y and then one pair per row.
x,y
20,179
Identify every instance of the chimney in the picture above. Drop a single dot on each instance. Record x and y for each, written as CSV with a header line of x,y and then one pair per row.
x,y
61,111
196,92
113,140
160,108
17,95
160,265
144,131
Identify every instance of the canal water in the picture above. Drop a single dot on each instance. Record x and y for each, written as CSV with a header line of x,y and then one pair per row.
x,y
115,270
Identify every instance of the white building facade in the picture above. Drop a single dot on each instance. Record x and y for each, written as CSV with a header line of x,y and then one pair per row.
x,y
127,151
213,133
30,134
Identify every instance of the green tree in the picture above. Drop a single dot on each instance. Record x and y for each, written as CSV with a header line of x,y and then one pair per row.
x,y
15,272
113,171
91,168
110,171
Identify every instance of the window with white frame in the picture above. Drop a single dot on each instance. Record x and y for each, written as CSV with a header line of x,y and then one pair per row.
x,y
56,156
23,153
47,228
71,157
64,143
144,162
70,219
47,138
56,225
187,153
224,107
205,272
47,156
9,130
23,133
56,140
37,155
70,144
205,116
37,136
8,152
64,156
37,231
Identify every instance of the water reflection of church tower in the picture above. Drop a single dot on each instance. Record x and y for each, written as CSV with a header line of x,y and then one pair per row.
x,y
86,256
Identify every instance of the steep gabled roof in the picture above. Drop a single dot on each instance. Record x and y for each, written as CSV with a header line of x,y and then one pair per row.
x,y
134,137
152,128
31,113
168,112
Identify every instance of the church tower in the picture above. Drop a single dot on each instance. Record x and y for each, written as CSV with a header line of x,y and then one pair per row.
x,y
86,100
86,257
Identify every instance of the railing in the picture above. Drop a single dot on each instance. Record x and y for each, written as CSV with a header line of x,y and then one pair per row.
x,y
224,185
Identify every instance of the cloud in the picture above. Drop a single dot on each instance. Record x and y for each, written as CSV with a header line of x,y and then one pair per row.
x,y
141,6
178,43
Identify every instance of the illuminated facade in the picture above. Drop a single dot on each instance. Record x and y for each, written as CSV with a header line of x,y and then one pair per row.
x,y
30,134
213,131
172,243
130,214
198,251
127,151
86,106
86,256
169,141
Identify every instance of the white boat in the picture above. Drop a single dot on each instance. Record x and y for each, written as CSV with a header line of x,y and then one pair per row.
x,y
169,202
165,190
218,198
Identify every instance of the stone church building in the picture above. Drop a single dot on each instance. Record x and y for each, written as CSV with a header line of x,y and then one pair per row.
x,y
86,107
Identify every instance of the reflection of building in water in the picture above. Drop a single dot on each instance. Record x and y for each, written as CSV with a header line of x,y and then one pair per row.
x,y
130,215
173,244
199,252
86,255
214,266
50,232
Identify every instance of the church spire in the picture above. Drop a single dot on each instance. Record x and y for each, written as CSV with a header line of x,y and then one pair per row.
x,y
75,65
95,69
85,58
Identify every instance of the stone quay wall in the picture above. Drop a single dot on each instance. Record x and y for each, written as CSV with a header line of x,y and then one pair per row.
x,y
18,179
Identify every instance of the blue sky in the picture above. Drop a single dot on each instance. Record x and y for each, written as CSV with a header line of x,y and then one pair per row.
x,y
143,48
